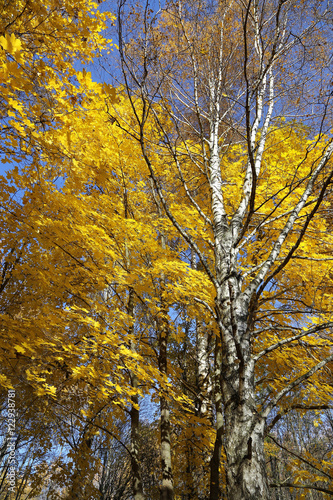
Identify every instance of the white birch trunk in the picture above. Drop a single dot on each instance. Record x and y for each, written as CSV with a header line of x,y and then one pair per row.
x,y
204,381
243,429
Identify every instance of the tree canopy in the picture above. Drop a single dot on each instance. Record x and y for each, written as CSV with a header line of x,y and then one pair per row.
x,y
166,250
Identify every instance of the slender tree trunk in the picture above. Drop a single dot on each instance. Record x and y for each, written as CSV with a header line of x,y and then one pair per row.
x,y
137,483
134,413
166,464
278,492
204,382
191,489
135,417
166,490
167,479
215,490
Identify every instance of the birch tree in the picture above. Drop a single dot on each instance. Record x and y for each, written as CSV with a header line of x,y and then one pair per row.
x,y
231,79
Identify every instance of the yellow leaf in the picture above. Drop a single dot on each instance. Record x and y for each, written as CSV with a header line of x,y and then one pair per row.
x,y
10,43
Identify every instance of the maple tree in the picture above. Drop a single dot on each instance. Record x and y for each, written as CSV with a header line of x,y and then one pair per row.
x,y
166,244
40,45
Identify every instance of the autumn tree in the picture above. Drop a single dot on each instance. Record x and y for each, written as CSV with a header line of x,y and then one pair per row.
x,y
171,242
40,45
81,281
224,83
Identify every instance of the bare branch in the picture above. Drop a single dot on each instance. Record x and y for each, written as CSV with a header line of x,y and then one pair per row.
x,y
299,457
305,486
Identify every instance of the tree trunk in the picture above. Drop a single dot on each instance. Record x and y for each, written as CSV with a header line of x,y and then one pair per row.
x,y
244,427
135,417
244,439
137,483
167,479
204,382
215,490
167,492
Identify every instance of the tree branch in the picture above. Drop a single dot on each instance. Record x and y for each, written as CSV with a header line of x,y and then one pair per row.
x,y
310,331
295,383
300,458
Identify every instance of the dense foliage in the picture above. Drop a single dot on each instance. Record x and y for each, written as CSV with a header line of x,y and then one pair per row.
x,y
166,252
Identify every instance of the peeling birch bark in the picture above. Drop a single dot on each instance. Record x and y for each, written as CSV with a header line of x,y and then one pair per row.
x,y
204,380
